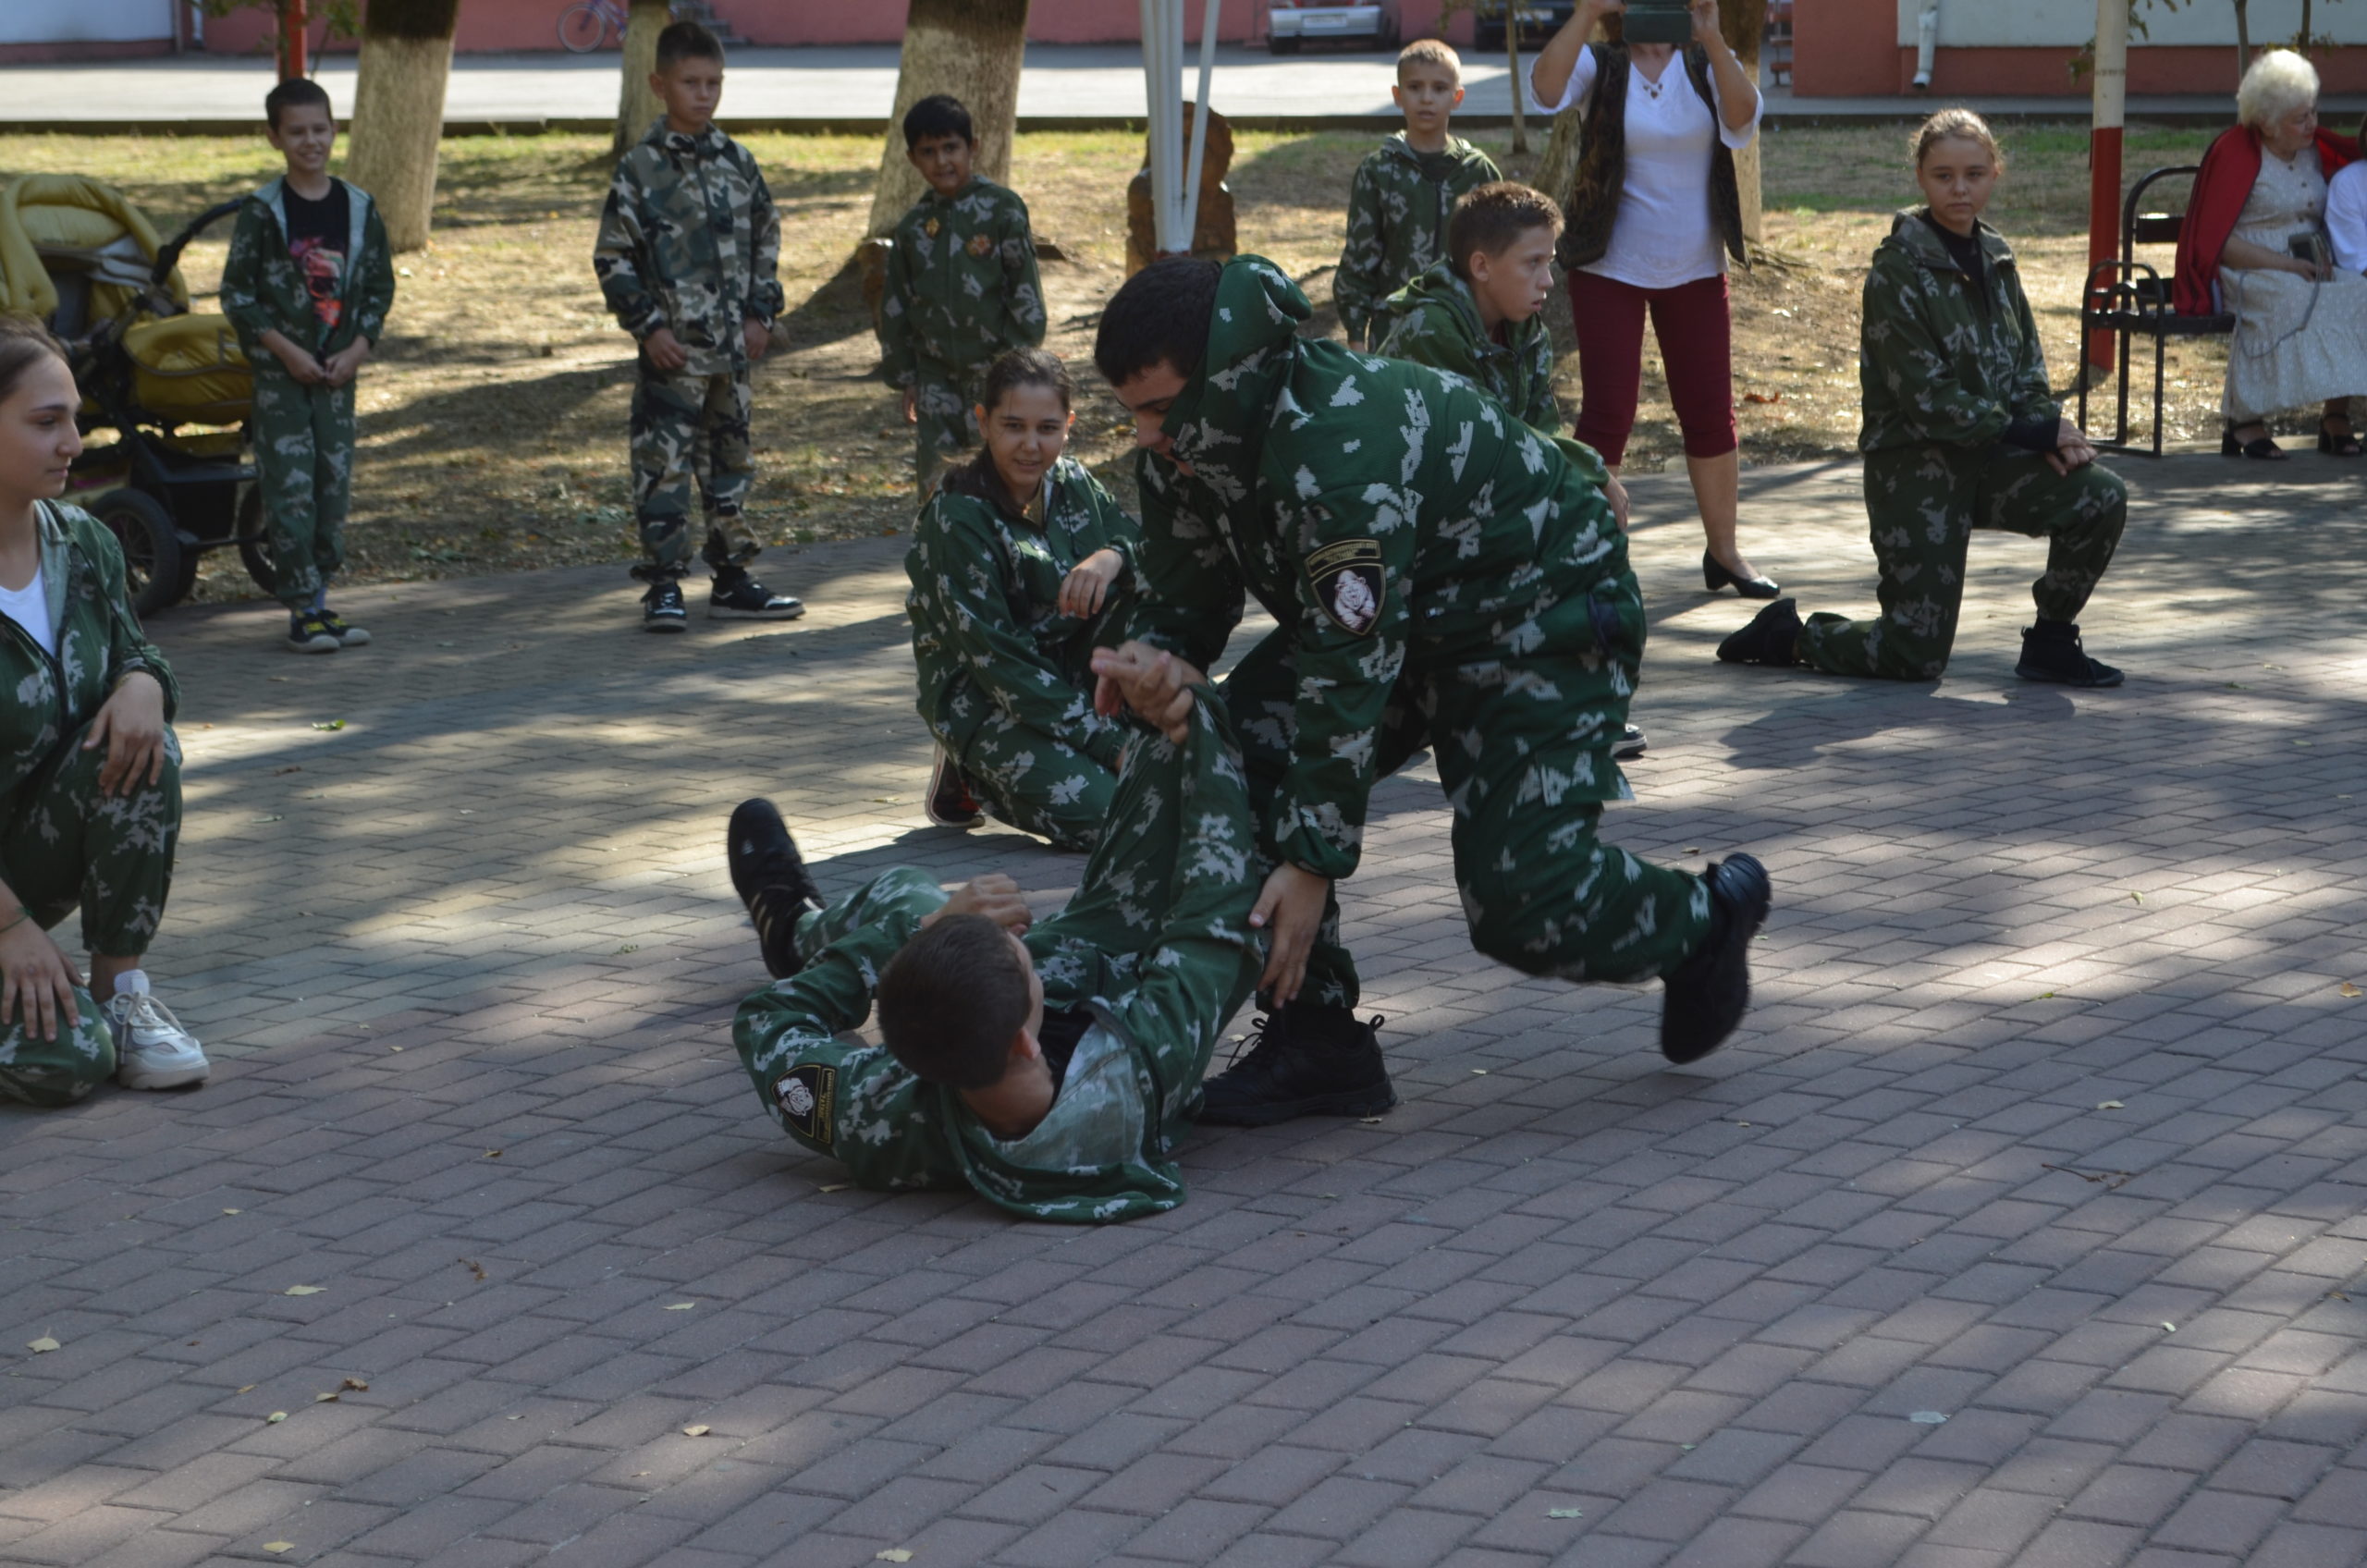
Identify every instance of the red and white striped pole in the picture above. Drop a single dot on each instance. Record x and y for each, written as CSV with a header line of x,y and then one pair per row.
x,y
293,26
2104,151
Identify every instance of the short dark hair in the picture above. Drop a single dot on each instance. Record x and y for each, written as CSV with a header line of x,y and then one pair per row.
x,y
24,342
1028,367
687,41
1492,218
296,92
951,1000
1161,314
940,114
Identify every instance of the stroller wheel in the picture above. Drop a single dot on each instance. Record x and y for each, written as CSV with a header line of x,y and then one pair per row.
x,y
254,545
159,571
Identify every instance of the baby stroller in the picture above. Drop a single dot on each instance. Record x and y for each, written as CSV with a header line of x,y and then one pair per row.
x,y
77,253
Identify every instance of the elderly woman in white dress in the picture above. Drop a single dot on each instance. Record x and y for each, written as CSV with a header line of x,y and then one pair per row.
x,y
2255,245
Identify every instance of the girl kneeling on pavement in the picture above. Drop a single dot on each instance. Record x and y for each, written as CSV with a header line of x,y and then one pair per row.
x,y
90,775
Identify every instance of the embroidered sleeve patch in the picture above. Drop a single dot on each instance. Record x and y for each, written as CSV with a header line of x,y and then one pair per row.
x,y
1348,585
806,1096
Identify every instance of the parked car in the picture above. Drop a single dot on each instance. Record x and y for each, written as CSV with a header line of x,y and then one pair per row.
x,y
1539,20
1289,23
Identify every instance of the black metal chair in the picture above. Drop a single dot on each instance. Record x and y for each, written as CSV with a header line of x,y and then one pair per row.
x,y
2130,300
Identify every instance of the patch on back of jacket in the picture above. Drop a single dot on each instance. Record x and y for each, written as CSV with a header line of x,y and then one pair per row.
x,y
1348,585
807,1096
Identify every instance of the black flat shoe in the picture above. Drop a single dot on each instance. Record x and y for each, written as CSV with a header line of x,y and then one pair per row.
x,y
2261,447
2343,446
1715,576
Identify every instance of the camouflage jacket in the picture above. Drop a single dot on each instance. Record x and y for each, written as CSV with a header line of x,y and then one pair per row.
x,y
1434,321
1157,1001
48,700
1370,505
961,282
988,630
689,240
1398,206
1935,364
263,290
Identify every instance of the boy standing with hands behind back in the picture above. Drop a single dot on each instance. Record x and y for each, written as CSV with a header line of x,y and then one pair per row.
x,y
688,257
307,286
962,288
1404,190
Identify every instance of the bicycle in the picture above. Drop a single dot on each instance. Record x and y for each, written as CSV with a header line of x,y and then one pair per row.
x,y
585,26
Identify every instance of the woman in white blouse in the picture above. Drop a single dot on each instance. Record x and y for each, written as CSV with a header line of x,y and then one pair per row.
x,y
1653,215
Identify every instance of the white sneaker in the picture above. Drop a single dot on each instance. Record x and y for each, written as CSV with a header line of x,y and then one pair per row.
x,y
153,1051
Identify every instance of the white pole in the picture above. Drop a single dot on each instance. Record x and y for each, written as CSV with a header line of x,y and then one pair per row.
x,y
1210,11
1162,114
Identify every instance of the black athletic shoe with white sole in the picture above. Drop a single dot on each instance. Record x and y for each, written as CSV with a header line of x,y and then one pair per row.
x,y
735,596
1629,746
661,608
770,877
1303,1060
1707,994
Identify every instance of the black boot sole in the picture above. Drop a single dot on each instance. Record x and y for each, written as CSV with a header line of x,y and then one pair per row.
x,y
1266,1113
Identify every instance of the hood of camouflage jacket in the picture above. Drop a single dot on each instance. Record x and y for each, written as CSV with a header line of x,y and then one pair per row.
x,y
1439,287
1913,235
1218,421
1457,150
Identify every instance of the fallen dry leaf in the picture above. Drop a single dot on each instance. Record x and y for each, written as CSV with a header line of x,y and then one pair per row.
x,y
279,1546
2348,989
303,1290
681,1306
835,1188
325,1399
1762,396
894,1554
356,1384
696,1432
1565,1513
2110,1105
42,1345
473,1267
1927,1418
234,1211
274,1418
493,1154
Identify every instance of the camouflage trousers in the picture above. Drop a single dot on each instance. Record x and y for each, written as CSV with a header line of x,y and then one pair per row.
x,y
690,429
1034,781
1922,504
304,461
945,401
68,844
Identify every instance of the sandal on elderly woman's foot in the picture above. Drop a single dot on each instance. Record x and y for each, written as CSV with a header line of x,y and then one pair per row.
x,y
2344,445
2260,446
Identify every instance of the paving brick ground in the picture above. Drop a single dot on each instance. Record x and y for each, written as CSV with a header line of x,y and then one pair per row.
x,y
467,964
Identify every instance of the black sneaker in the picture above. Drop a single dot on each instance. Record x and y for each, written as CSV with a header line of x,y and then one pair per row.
x,y
661,608
2050,651
1303,1060
770,878
308,633
951,803
735,596
1707,994
346,636
1629,746
1773,637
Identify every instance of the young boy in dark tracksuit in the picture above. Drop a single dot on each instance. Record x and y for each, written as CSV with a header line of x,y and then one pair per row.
x,y
307,286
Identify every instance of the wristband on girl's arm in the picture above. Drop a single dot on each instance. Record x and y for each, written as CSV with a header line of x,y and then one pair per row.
x,y
16,919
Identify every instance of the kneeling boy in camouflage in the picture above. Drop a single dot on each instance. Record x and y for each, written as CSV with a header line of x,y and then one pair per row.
x,y
1049,1067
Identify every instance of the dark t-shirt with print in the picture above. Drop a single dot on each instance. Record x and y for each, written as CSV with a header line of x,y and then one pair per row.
x,y
318,233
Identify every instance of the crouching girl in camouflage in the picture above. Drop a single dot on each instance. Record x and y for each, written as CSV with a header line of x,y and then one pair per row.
x,y
1014,561
90,775
1961,433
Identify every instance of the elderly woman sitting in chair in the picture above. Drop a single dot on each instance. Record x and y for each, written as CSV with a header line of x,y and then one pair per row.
x,y
2255,247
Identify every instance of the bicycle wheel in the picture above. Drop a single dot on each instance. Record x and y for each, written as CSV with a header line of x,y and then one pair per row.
x,y
580,28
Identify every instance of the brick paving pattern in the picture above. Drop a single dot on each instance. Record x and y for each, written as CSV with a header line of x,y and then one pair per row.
x,y
467,966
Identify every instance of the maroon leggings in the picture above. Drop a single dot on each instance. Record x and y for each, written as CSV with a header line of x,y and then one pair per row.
x,y
1697,350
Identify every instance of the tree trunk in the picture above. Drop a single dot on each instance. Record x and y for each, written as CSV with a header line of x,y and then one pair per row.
x,y
1557,166
1744,23
971,49
636,106
398,111
1511,56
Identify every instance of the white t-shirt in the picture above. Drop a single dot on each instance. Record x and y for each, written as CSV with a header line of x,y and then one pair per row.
x,y
1666,234
2347,218
29,607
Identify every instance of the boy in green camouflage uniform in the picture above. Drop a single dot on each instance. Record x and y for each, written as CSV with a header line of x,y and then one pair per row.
x,y
688,258
1405,192
1069,1114
1960,432
306,286
1441,575
962,287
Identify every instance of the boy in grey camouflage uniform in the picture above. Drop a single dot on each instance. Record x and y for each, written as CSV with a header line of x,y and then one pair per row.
x,y
307,286
1405,192
1441,575
687,257
962,287
1049,1067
